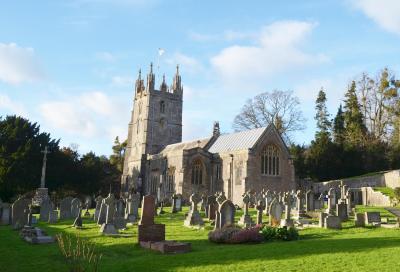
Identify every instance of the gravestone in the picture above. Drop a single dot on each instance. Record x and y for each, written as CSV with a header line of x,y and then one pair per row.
x,y
359,219
203,205
108,227
287,221
341,211
319,203
98,201
119,217
147,230
5,214
373,218
78,220
260,208
65,208
275,213
102,213
45,207
331,201
176,203
19,212
245,219
193,218
300,197
332,222
322,217
225,215
212,207
53,216
349,202
132,207
268,199
76,206
309,200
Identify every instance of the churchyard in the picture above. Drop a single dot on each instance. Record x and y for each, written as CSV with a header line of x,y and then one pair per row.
x,y
334,248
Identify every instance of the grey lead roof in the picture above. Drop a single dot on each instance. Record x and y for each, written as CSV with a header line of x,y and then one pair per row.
x,y
236,141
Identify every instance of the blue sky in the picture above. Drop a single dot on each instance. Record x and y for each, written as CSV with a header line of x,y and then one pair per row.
x,y
71,65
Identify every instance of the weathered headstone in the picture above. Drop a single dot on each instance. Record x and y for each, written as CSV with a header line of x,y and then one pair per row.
x,y
332,222
373,218
176,203
78,220
322,217
102,213
225,215
359,220
5,214
245,219
147,230
108,228
268,199
132,207
221,198
309,200
53,216
300,197
203,205
287,221
119,217
260,208
341,211
45,207
98,201
331,201
19,212
275,213
65,208
76,206
193,218
212,207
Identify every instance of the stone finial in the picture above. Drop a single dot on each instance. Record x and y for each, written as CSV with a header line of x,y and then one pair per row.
x,y
216,130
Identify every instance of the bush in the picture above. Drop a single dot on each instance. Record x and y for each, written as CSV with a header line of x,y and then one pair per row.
x,y
287,234
269,233
250,235
279,233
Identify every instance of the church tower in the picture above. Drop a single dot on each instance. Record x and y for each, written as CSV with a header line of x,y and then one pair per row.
x,y
156,121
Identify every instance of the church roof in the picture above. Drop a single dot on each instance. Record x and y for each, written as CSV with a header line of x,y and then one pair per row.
x,y
186,145
237,141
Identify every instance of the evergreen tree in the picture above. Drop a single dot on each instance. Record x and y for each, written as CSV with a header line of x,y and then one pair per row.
x,y
322,115
355,130
338,127
117,158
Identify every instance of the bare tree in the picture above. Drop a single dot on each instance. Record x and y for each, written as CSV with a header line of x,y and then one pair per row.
x,y
379,101
281,108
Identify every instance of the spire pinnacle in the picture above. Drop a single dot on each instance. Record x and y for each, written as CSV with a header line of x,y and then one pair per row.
x,y
151,67
177,69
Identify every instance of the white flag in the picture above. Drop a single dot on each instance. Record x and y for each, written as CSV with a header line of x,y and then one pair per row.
x,y
161,51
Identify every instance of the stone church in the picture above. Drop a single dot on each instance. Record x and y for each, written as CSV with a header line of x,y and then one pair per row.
x,y
158,162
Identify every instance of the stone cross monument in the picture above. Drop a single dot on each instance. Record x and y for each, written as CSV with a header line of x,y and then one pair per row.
x,y
42,192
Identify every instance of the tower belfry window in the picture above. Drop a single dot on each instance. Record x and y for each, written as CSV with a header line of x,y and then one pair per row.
x,y
162,107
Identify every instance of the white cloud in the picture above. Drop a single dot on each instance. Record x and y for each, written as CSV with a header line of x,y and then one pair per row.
x,y
87,115
11,107
277,48
106,56
186,63
19,64
386,13
122,80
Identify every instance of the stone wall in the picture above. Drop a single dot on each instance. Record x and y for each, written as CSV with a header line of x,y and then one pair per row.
x,y
374,198
384,179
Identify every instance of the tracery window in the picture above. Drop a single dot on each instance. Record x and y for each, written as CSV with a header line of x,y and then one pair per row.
x,y
162,107
197,172
270,161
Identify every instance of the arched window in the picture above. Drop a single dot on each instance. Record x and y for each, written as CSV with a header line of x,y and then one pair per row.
x,y
162,107
170,180
270,161
197,172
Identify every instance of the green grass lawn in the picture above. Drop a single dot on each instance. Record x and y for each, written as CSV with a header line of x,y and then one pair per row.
x,y
350,249
386,191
